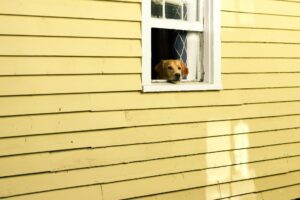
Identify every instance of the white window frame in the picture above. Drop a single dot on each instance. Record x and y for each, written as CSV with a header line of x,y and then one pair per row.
x,y
211,49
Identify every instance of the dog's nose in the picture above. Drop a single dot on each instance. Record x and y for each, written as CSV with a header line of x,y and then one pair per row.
x,y
177,75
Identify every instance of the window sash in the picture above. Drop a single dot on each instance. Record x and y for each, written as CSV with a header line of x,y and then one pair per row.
x,y
176,25
181,3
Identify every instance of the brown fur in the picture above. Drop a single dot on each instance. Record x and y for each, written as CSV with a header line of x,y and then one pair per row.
x,y
171,70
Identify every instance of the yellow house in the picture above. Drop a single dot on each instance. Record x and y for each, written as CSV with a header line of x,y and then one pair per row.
x,y
76,121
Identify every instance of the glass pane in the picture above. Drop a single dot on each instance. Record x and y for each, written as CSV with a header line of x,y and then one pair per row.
x,y
189,10
192,10
173,9
157,8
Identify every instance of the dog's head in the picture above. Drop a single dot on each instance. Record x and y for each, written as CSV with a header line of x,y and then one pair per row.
x,y
171,70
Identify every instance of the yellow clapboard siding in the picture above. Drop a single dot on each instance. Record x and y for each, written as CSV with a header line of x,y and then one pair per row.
x,y
112,101
69,8
260,65
41,124
68,84
96,157
60,123
259,35
269,95
67,65
44,104
260,184
294,163
88,176
231,19
51,46
262,6
209,113
45,162
129,136
251,196
210,192
136,188
272,182
182,181
42,182
162,100
292,192
260,50
134,100
239,81
92,192
22,105
43,26
245,187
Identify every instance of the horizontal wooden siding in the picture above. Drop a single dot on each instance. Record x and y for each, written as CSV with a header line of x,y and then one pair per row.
x,y
74,122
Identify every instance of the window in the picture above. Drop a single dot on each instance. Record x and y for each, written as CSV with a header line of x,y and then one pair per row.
x,y
185,30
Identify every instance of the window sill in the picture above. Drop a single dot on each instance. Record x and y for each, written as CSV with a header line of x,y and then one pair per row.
x,y
188,86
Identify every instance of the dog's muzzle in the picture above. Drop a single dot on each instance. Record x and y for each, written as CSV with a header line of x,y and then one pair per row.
x,y
177,77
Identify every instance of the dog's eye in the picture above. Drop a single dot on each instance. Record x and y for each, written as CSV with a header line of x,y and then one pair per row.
x,y
179,68
170,68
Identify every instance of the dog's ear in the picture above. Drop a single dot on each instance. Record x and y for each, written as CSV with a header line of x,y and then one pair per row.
x,y
159,69
185,70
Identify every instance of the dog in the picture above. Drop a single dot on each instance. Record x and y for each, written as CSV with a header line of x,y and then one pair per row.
x,y
171,70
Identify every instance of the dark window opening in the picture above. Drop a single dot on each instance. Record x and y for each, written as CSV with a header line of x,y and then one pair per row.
x,y
165,44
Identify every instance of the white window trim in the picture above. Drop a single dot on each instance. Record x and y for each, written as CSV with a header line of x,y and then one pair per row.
x,y
173,24
211,50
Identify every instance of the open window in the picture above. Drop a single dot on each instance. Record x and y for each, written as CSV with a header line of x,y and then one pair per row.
x,y
187,31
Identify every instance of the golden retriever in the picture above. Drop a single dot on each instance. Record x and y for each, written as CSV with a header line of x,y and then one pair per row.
x,y
171,70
